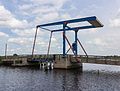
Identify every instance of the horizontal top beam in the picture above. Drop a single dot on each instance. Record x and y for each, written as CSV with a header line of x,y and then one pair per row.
x,y
92,20
74,28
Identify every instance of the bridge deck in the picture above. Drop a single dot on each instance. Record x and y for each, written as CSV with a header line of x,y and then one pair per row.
x,y
108,60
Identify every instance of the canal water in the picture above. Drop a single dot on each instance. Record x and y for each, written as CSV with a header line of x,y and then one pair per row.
x,y
93,78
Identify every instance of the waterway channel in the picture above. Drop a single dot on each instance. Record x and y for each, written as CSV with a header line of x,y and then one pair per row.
x,y
93,78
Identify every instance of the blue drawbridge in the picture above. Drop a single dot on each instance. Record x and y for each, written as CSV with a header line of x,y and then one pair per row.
x,y
93,23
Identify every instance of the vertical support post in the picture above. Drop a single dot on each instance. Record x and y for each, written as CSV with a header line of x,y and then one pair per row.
x,y
34,41
64,42
76,52
6,50
49,44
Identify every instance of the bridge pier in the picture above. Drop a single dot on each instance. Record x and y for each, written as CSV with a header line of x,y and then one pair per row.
x,y
67,62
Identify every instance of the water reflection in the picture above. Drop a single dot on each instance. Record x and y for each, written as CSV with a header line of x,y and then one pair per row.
x,y
34,79
70,82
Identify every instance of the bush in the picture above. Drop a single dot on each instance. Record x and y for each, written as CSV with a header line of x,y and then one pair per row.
x,y
15,55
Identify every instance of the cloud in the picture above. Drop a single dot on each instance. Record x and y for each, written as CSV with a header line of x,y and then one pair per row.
x,y
65,16
48,3
98,42
30,32
7,19
41,6
47,17
24,45
20,41
42,10
3,40
3,34
27,41
115,22
24,41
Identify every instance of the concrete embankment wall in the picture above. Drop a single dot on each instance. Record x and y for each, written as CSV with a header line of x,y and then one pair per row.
x,y
68,62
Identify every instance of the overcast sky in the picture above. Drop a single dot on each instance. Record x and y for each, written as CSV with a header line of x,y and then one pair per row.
x,y
18,19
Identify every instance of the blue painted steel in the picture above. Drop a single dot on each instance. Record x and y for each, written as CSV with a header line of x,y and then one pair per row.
x,y
64,42
45,29
74,48
74,28
92,18
76,43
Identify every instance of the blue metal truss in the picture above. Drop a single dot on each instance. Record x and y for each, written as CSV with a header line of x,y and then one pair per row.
x,y
94,23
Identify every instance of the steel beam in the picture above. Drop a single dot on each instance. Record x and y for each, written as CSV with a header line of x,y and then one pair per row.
x,y
64,42
92,18
76,52
94,23
74,28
